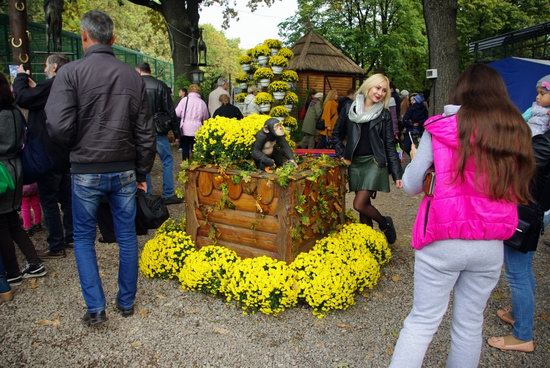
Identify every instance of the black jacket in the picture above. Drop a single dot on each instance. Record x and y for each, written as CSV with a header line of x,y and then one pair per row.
x,y
541,181
98,108
540,189
380,138
159,100
228,111
415,117
34,100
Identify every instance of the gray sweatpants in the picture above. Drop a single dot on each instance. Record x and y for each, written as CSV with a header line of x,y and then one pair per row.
x,y
471,269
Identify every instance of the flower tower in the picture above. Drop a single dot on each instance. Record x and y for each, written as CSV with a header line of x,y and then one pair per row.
x,y
265,66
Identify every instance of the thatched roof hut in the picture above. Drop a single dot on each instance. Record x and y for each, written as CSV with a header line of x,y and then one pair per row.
x,y
322,66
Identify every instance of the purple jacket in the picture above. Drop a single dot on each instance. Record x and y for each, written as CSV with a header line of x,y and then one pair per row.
x,y
458,210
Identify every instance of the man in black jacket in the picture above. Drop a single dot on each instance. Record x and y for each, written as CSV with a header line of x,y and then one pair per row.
x,y
98,109
164,117
55,185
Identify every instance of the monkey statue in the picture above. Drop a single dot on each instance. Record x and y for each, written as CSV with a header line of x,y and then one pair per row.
x,y
271,149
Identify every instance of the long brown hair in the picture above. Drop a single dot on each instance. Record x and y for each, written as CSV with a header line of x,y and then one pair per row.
x,y
492,131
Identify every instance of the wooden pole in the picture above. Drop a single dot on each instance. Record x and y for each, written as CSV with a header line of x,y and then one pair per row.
x,y
19,40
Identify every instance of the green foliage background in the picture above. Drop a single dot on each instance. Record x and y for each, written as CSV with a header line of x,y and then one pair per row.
x,y
379,35
390,35
140,28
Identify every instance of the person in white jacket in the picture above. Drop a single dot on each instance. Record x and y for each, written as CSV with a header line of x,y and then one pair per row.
x,y
250,107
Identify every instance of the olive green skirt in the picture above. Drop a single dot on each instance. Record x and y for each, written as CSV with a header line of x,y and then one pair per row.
x,y
364,174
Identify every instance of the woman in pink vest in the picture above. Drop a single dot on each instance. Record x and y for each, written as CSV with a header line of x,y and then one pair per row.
x,y
481,152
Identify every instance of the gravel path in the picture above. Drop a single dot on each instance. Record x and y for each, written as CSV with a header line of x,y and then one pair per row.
x,y
172,328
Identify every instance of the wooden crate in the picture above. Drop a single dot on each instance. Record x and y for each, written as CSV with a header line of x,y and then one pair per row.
x,y
259,217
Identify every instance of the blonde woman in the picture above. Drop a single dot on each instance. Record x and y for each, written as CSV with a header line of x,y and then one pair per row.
x,y
329,115
366,126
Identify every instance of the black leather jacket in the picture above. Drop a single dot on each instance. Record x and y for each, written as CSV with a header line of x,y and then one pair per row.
x,y
159,100
380,137
98,109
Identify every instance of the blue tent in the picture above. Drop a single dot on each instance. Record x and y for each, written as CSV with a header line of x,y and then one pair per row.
x,y
521,76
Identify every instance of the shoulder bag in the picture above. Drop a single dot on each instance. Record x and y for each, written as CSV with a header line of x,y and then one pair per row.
x,y
6,181
184,115
530,218
151,210
35,159
320,124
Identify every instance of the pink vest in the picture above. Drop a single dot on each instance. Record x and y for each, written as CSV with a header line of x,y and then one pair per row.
x,y
458,210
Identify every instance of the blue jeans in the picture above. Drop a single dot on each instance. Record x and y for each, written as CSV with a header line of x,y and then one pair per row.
x,y
546,219
165,153
120,190
4,285
520,277
55,189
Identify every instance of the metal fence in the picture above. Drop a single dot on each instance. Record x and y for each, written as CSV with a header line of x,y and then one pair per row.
x,y
531,42
72,49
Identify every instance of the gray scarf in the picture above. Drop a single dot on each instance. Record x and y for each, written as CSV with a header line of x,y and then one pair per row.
x,y
357,113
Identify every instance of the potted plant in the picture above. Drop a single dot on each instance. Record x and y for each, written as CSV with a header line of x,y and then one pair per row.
x,y
278,89
286,52
290,122
274,45
250,53
290,76
264,101
239,100
277,63
240,97
242,80
262,52
290,100
245,61
263,76
278,112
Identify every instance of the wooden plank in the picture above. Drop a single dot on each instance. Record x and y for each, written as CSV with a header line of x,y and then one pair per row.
x,y
232,234
205,183
242,250
235,190
283,212
246,220
266,191
191,202
245,203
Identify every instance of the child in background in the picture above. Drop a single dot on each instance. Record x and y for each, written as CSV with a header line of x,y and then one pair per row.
x,y
537,115
31,200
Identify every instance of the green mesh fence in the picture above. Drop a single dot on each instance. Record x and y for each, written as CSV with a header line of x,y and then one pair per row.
x,y
72,49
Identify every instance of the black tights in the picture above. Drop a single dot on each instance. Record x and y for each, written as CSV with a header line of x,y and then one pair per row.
x,y
367,212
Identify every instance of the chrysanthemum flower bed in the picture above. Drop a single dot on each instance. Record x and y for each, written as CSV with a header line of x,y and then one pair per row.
x,y
326,278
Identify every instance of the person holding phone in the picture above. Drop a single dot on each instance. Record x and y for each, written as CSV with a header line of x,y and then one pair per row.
x,y
413,120
366,126
482,154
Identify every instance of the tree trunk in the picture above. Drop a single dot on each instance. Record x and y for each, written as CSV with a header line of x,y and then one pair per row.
x,y
182,22
440,18
17,12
